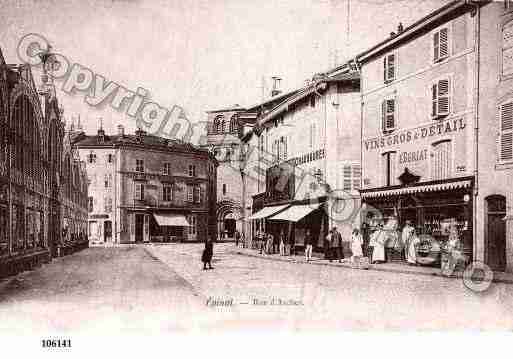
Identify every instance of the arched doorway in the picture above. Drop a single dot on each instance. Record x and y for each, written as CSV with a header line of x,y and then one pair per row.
x,y
495,250
230,225
228,213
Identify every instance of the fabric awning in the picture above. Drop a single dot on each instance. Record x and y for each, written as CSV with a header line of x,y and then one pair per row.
x,y
296,213
417,189
168,219
268,211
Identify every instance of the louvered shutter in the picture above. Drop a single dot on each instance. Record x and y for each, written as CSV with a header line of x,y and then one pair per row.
x,y
385,69
389,68
285,153
506,135
444,97
347,177
444,43
507,49
434,100
436,46
357,174
388,114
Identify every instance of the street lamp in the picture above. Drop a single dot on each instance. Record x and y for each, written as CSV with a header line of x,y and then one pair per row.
x,y
242,166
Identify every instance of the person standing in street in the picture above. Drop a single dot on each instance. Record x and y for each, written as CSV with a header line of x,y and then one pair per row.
x,y
356,247
237,238
308,245
208,252
337,245
276,244
377,241
407,238
327,245
282,243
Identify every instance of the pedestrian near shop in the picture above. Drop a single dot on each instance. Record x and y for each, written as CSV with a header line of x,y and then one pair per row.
x,y
356,247
208,252
287,240
309,245
269,243
407,237
276,244
378,239
327,245
282,243
237,238
337,245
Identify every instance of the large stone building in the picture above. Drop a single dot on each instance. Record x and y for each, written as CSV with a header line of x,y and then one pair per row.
x,y
437,102
31,149
146,188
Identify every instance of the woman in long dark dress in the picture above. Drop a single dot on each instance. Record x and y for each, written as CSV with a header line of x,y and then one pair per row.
x,y
208,252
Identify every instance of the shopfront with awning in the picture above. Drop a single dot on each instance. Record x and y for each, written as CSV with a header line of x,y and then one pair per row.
x,y
168,227
268,211
295,213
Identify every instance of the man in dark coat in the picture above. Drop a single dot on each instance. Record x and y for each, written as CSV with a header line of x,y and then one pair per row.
x,y
338,253
208,252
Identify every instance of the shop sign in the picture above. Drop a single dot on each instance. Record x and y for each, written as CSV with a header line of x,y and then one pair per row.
x,y
414,156
309,157
437,129
99,216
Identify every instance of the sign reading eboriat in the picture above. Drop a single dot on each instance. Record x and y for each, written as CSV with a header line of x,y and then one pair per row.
x,y
436,129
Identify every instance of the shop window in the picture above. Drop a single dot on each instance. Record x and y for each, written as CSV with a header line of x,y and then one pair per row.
x,y
506,132
139,191
389,168
139,165
219,124
90,204
441,160
388,115
389,68
167,193
441,98
441,44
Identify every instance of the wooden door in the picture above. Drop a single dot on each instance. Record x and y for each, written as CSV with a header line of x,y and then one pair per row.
x,y
496,233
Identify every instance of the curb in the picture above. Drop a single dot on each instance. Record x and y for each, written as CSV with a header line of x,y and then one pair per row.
x,y
458,275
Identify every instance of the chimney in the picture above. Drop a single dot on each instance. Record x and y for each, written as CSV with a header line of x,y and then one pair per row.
x,y
276,86
121,130
392,34
400,28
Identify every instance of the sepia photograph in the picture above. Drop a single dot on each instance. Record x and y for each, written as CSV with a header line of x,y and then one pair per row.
x,y
197,168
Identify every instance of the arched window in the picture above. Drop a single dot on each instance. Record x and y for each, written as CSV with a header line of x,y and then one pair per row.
x,y
233,124
219,124
441,160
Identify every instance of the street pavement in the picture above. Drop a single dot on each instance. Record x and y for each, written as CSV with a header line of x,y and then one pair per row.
x,y
161,288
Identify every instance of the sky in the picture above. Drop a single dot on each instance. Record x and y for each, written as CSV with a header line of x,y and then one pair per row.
x,y
200,55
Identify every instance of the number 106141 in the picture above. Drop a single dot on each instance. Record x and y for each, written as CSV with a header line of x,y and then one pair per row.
x,y
56,343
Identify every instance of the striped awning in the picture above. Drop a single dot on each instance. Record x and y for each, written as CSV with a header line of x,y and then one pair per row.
x,y
268,211
416,189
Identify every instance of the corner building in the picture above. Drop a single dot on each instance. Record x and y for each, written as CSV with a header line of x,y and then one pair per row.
x,y
437,121
145,188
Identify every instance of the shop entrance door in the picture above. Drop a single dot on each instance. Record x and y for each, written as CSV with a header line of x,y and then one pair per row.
x,y
496,233
107,231
139,225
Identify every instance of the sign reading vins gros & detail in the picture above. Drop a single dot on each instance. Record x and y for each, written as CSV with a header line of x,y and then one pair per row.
x,y
407,136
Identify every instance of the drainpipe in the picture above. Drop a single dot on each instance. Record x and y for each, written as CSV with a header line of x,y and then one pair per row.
x,y
476,13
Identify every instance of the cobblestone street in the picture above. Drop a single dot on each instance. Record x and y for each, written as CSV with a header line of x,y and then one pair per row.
x,y
162,288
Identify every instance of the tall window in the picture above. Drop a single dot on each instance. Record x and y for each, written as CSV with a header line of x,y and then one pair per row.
x,y
108,204
192,170
197,194
108,180
388,115
139,191
219,124
441,98
441,44
506,132
389,66
91,158
139,165
90,204
351,177
192,225
282,148
190,193
233,124
167,169
110,158
167,193
224,189
388,160
441,160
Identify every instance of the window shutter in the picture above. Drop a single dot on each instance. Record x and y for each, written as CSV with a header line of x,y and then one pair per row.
x,y
436,46
347,177
357,174
444,43
444,97
434,100
507,35
506,136
285,154
390,115
385,69
383,115
389,68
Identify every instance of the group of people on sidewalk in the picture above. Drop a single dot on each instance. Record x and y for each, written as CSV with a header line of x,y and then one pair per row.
x,y
267,243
